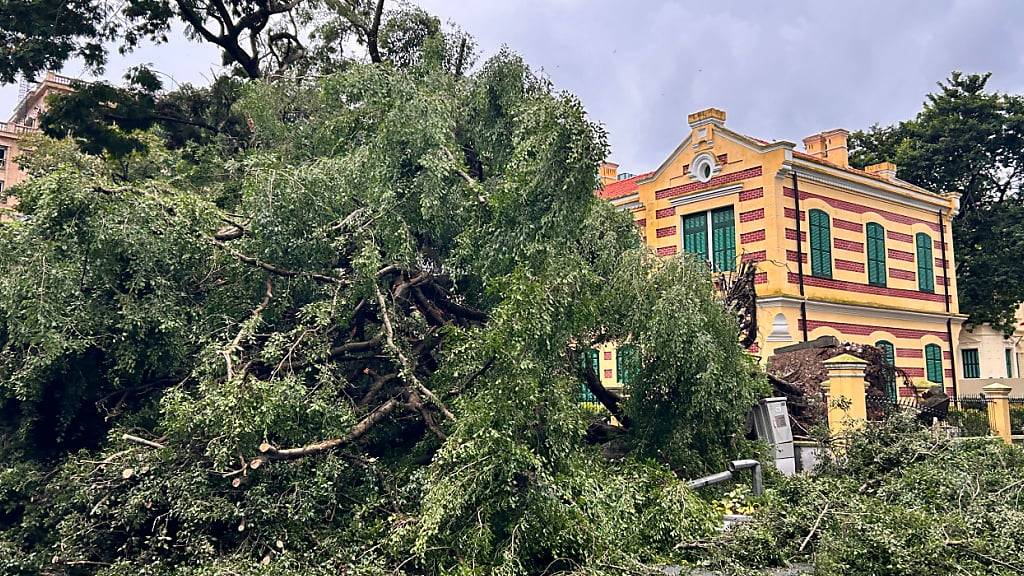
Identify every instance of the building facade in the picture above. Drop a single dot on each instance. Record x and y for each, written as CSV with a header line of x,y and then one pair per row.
x,y
25,120
988,355
855,254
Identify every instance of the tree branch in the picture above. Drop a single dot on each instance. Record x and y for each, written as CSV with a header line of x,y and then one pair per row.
x,y
276,270
269,452
407,366
610,400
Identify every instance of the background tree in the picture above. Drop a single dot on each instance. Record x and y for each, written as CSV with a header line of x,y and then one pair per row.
x,y
968,140
101,117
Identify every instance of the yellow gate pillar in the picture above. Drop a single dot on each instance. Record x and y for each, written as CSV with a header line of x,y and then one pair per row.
x,y
844,392
997,397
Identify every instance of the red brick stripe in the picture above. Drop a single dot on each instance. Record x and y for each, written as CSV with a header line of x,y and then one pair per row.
x,y
938,245
641,222
858,209
665,212
848,245
867,330
948,373
791,235
607,355
761,278
666,250
791,213
752,194
607,373
791,256
847,225
758,256
866,288
849,266
716,181
902,274
909,353
914,372
940,280
939,262
751,237
752,215
901,255
666,231
899,236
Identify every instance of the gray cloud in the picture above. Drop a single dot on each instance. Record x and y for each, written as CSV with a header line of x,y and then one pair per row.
x,y
782,70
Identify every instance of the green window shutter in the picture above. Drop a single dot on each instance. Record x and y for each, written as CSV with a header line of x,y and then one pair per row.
x,y
933,363
972,365
593,358
1009,362
627,364
723,239
925,263
695,234
876,254
889,355
821,244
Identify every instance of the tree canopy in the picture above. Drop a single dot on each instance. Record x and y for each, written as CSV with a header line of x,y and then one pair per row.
x,y
353,344
967,139
255,37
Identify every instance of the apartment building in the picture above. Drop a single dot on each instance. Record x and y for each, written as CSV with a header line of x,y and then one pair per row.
x,y
25,120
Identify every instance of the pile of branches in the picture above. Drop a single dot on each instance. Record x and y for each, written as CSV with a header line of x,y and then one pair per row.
x,y
898,499
798,376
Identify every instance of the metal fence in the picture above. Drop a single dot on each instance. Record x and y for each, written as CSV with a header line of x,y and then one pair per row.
x,y
978,401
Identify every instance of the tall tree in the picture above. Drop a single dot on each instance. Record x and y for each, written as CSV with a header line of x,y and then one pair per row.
x,y
970,140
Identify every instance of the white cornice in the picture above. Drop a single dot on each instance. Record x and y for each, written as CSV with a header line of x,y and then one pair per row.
x,y
629,206
842,180
706,195
857,309
625,199
753,144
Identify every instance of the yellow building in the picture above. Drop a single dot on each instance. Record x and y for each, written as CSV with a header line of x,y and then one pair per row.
x,y
25,120
874,262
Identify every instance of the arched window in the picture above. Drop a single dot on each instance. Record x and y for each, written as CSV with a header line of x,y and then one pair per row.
x,y
933,363
876,254
821,244
925,264
889,355
627,364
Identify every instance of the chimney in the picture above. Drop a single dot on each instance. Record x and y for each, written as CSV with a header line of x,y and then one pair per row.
x,y
706,116
886,170
830,145
608,173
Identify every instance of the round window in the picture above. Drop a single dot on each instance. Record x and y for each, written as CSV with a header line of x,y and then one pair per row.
x,y
703,167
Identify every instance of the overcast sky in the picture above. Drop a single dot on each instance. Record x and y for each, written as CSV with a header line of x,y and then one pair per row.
x,y
781,70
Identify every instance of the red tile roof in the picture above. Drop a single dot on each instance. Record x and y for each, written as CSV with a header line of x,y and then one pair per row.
x,y
621,188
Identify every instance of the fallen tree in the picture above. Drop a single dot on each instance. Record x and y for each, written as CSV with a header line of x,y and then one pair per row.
x,y
352,345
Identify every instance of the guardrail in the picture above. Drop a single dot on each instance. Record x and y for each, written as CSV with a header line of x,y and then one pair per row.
x,y
59,78
13,128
